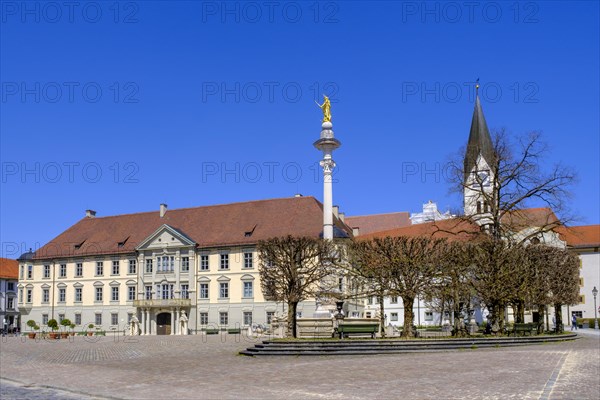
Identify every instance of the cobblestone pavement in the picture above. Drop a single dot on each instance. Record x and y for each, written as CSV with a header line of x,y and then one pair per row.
x,y
201,367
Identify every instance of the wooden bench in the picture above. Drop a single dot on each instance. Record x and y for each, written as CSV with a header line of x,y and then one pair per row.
x,y
234,331
523,328
345,329
212,331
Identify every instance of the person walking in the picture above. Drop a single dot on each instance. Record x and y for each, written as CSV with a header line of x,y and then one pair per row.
x,y
573,322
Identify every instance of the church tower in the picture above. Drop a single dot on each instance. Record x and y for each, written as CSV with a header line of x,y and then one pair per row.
x,y
478,167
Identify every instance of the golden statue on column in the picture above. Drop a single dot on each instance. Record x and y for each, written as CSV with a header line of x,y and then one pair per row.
x,y
326,108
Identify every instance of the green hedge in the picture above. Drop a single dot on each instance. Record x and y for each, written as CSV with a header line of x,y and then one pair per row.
x,y
590,321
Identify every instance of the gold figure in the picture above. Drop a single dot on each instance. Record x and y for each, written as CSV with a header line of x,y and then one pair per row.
x,y
326,108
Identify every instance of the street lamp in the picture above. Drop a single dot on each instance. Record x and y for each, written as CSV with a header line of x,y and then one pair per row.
x,y
595,293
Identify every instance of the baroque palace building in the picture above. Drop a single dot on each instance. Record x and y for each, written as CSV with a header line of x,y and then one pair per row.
x,y
162,267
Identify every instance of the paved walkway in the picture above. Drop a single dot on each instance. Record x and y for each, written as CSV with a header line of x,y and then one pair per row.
x,y
200,367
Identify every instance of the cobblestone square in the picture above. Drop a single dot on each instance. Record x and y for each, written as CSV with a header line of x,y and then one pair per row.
x,y
208,367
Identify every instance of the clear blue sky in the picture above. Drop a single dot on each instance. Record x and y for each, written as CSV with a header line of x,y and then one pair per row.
x,y
118,107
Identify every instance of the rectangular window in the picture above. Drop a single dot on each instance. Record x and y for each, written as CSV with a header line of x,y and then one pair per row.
x,y
131,293
98,319
203,318
223,318
62,295
30,272
79,269
29,295
20,296
204,262
46,272
149,266
581,282
98,294
78,294
115,267
44,319
224,261
369,300
247,318
185,264
148,292
270,315
99,268
248,289
10,303
341,284
62,272
114,319
578,314
223,290
204,290
582,299
184,291
394,300
167,291
10,286
114,293
45,295
21,272
77,319
132,267
61,317
248,260
428,316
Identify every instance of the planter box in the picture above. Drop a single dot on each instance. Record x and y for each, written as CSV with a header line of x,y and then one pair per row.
x,y
31,335
53,335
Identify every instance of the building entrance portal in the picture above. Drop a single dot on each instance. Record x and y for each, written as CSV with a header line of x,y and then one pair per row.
x,y
163,324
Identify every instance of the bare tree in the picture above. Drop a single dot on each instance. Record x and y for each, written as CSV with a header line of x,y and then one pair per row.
x,y
368,270
455,262
563,271
410,263
514,181
293,269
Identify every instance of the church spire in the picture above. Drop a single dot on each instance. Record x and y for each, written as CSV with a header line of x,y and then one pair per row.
x,y
480,141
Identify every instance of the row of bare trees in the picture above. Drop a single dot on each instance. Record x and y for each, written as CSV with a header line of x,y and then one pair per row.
x,y
455,275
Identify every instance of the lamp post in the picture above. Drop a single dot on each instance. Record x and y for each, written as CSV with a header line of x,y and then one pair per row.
x,y
595,293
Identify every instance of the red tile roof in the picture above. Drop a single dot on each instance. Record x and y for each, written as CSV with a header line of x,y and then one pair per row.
x,y
9,269
518,220
378,222
452,229
581,236
208,226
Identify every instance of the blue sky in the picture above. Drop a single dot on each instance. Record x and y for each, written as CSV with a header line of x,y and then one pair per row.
x,y
119,106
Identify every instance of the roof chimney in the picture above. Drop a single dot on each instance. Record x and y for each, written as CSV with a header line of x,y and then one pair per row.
x,y
90,213
336,211
163,210
355,232
342,216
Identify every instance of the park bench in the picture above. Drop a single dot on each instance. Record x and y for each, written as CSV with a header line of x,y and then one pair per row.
x,y
522,328
344,330
234,331
212,331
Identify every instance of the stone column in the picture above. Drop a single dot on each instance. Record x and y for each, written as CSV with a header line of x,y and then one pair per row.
x,y
143,322
149,322
177,321
172,321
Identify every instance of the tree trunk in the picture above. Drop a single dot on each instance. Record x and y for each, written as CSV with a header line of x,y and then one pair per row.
x,y
409,316
459,326
519,309
382,317
558,317
291,320
542,314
